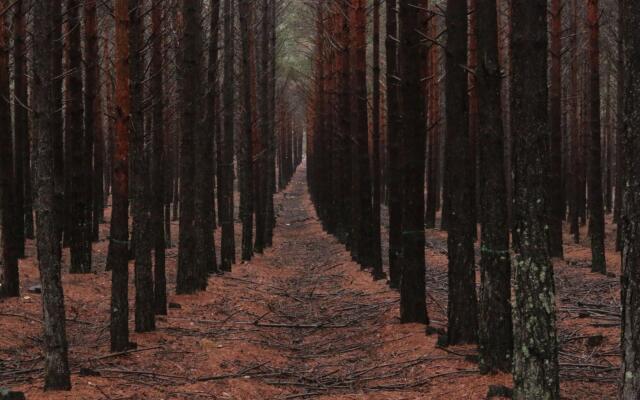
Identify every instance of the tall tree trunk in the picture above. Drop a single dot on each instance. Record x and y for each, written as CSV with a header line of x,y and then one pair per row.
x,y
56,366
211,131
596,207
394,143
472,62
362,128
535,347
376,245
59,176
462,310
79,237
93,121
246,12
204,181
118,245
21,123
575,129
261,163
412,55
433,121
9,235
158,180
140,184
271,182
620,162
556,212
189,277
630,216
495,334
225,160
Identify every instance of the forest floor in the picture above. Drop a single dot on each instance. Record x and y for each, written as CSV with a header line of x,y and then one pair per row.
x,y
300,321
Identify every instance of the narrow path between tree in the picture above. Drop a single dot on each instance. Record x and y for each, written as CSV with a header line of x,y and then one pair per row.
x,y
323,326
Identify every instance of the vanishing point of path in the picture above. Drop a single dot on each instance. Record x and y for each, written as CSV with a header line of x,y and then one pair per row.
x,y
300,321
324,328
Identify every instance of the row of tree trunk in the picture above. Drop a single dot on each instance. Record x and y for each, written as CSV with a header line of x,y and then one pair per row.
x,y
97,131
517,157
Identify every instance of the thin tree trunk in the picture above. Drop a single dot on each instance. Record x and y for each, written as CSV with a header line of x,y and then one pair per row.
x,y
118,245
56,368
79,237
140,184
212,131
433,121
158,180
462,309
495,325
246,11
620,161
575,130
556,212
189,277
376,245
596,207
394,143
21,124
412,55
9,235
203,196
93,121
261,163
225,161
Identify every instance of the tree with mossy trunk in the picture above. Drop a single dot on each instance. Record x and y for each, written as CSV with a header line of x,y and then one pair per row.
x,y
535,348
630,216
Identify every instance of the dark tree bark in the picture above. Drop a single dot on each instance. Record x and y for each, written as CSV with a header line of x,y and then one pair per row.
x,y
412,56
472,62
79,235
91,112
575,129
271,139
203,171
535,347
190,273
21,124
140,188
462,310
9,235
206,154
376,245
619,126
495,335
94,140
433,121
56,365
556,212
59,177
630,216
246,11
394,143
225,160
118,245
596,207
158,179
261,163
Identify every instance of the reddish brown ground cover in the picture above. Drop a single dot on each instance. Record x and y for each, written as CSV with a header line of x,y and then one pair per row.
x,y
300,321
